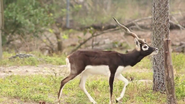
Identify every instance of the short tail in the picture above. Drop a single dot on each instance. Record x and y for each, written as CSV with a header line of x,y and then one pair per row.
x,y
68,64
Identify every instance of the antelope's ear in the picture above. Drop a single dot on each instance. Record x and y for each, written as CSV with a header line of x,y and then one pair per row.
x,y
138,48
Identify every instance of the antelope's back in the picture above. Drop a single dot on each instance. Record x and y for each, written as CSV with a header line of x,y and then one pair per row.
x,y
95,57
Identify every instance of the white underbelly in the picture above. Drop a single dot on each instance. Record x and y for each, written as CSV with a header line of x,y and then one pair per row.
x,y
101,70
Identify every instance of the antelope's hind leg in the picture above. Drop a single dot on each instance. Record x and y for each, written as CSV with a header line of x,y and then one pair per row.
x,y
82,86
63,82
74,71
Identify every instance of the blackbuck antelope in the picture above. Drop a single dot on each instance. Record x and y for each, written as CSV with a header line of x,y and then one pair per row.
x,y
109,63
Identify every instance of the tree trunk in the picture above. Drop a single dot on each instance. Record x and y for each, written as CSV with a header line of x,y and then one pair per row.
x,y
162,64
1,25
169,75
59,41
159,30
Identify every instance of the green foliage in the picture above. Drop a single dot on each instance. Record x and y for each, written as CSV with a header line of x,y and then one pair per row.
x,y
66,33
144,64
180,86
178,60
25,17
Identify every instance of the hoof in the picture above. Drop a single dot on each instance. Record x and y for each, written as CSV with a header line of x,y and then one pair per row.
x,y
117,101
94,102
58,101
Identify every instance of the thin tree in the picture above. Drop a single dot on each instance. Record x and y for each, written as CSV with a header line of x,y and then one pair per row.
x,y
169,75
1,26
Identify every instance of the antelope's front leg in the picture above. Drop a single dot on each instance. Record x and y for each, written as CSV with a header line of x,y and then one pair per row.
x,y
120,77
111,80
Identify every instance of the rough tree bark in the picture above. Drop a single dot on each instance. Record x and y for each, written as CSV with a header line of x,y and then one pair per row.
x,y
159,30
162,64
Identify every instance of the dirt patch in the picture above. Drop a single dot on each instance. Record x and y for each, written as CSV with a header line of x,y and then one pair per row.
x,y
6,100
32,70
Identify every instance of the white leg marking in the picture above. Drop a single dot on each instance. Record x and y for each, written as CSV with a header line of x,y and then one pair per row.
x,y
110,101
68,65
120,77
61,93
82,86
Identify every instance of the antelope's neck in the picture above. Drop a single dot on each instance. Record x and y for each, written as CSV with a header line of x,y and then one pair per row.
x,y
132,58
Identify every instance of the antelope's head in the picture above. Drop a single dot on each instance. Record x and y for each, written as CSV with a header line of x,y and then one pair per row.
x,y
141,44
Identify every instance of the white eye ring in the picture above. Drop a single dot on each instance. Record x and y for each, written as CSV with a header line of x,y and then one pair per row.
x,y
145,47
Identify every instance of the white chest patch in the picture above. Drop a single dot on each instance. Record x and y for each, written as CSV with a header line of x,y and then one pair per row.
x,y
101,70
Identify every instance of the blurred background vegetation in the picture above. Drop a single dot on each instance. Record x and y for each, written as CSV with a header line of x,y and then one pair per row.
x,y
27,21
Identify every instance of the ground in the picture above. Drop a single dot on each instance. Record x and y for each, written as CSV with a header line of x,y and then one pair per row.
x,y
57,70
32,70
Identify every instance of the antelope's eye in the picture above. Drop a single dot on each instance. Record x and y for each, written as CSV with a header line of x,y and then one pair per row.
x,y
145,47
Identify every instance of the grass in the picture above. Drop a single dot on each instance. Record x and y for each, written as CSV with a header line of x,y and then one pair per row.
x,y
44,88
144,64
38,58
29,88
178,61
